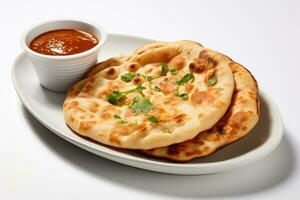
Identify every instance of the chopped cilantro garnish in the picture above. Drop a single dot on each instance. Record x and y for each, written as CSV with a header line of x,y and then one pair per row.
x,y
116,96
212,81
153,119
173,72
139,88
156,88
164,69
184,96
120,120
141,105
185,79
127,77
149,78
117,117
165,79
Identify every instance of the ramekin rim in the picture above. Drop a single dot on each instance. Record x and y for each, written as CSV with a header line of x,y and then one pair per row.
x,y
102,31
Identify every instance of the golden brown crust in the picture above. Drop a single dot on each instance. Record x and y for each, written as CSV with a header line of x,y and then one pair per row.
x,y
241,117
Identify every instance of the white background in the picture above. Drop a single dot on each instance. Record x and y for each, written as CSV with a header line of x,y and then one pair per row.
x,y
262,35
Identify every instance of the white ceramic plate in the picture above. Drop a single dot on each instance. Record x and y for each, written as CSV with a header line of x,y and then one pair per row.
x,y
46,106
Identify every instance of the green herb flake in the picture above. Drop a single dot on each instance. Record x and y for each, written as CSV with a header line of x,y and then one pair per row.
x,y
127,77
153,119
164,69
149,78
166,79
120,120
117,117
184,96
173,72
141,105
156,88
212,81
185,79
139,88
115,97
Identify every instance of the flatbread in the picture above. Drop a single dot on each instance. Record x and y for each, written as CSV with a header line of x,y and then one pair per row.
x,y
241,117
178,101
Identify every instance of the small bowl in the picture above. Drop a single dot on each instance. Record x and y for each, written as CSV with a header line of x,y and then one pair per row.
x,y
58,73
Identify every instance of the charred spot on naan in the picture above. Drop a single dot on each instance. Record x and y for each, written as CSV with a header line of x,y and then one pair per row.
x,y
175,149
168,87
114,138
117,131
93,106
88,89
208,96
110,73
204,62
189,87
196,67
196,152
237,120
102,65
179,118
107,113
138,80
86,126
241,100
252,95
72,119
120,129
132,66
106,116
177,62
70,105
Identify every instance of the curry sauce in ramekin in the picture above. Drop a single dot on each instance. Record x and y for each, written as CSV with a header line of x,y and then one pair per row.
x,y
63,42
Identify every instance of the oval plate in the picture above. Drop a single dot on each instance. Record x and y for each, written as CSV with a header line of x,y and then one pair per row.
x,y
46,106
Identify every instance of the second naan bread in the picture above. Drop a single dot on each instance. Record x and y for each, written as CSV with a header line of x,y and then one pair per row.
x,y
241,117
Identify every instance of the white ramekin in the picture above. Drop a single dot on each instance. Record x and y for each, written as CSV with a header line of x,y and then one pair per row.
x,y
58,73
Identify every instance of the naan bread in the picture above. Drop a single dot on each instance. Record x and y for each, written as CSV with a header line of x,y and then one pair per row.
x,y
241,117
172,103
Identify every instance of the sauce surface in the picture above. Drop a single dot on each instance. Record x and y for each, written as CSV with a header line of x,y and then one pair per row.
x,y
63,42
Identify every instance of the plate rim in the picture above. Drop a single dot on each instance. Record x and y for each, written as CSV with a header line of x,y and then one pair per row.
x,y
196,168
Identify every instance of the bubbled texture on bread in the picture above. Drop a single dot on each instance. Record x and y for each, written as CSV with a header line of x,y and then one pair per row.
x,y
88,112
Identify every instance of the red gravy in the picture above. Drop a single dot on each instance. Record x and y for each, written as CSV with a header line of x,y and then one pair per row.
x,y
63,42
